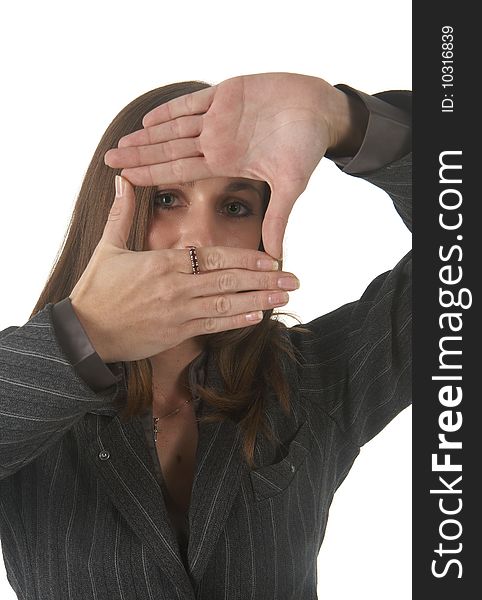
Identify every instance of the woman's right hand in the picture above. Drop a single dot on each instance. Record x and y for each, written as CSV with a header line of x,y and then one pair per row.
x,y
134,305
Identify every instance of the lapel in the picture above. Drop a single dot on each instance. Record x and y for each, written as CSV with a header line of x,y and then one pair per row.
x,y
219,470
124,465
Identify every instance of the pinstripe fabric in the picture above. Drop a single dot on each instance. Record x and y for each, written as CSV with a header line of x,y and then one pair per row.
x,y
82,514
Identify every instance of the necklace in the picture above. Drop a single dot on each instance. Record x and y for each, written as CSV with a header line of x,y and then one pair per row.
x,y
174,412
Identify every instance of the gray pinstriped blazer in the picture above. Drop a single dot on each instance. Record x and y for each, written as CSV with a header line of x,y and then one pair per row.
x,y
82,514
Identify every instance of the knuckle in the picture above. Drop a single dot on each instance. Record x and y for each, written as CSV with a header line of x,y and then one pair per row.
x,y
266,281
209,324
222,305
214,260
226,282
246,261
272,280
257,301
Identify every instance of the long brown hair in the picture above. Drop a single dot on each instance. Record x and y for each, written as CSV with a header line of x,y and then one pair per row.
x,y
248,358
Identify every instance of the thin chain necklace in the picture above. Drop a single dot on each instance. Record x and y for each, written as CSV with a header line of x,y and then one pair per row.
x,y
174,412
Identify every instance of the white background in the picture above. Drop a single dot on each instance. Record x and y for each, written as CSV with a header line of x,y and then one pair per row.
x,y
69,68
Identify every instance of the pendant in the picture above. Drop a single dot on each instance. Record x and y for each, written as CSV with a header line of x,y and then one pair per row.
x,y
156,419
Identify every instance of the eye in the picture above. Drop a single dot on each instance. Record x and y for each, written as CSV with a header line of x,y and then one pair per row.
x,y
159,200
233,209
235,204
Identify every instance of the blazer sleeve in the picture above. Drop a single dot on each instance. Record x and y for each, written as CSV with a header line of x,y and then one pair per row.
x,y
41,394
356,364
77,346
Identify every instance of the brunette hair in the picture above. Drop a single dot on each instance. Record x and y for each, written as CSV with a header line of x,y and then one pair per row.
x,y
248,358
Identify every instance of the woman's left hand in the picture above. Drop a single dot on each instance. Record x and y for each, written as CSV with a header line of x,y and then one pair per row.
x,y
273,127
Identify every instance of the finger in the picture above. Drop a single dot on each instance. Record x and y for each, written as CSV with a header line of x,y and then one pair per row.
x,y
276,219
139,156
234,304
188,104
230,281
216,258
183,127
213,324
177,171
119,221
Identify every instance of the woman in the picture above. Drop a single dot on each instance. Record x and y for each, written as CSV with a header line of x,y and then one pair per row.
x,y
169,446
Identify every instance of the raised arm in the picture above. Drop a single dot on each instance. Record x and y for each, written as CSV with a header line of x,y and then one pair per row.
x,y
357,363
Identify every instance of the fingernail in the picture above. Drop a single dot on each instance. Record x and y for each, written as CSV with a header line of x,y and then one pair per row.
x,y
288,283
278,298
119,186
267,264
106,158
255,316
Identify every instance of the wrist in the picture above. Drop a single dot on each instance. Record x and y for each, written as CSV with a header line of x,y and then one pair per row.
x,y
348,126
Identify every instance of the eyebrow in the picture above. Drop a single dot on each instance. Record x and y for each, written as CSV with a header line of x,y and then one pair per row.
x,y
234,186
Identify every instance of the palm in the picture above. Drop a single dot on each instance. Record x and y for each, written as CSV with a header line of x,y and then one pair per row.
x,y
268,135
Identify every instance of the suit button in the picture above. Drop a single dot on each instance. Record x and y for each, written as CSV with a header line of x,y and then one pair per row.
x,y
292,468
104,455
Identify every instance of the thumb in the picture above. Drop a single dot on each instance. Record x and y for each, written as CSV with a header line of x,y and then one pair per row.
x,y
275,221
119,221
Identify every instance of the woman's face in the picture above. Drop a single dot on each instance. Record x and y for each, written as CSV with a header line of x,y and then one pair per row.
x,y
221,211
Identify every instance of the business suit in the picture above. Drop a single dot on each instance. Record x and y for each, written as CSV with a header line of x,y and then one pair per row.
x,y
71,472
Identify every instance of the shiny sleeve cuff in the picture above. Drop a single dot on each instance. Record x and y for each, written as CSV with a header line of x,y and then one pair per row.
x,y
388,136
76,345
